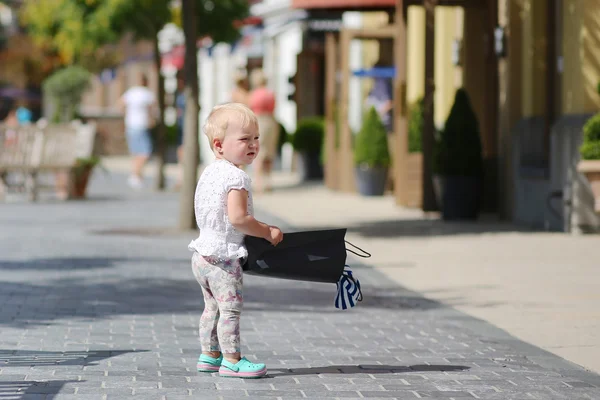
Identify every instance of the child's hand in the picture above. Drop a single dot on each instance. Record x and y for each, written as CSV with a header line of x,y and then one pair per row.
x,y
275,236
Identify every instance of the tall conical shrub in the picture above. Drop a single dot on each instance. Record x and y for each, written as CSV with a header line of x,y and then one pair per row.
x,y
458,152
371,145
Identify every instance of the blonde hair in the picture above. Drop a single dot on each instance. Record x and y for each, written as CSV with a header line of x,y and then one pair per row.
x,y
217,122
257,78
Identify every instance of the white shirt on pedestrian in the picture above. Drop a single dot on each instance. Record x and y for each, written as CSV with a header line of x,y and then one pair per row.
x,y
218,237
138,101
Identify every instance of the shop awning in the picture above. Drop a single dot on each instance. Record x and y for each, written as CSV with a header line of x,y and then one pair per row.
x,y
343,4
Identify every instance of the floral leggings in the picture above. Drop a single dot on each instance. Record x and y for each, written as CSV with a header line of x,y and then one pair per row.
x,y
221,282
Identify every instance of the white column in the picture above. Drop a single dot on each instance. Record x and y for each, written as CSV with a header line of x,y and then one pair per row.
x,y
355,101
223,78
289,44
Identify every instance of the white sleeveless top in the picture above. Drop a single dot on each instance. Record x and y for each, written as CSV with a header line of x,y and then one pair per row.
x,y
218,238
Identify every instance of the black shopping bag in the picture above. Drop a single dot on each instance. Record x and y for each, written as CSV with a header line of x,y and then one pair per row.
x,y
316,256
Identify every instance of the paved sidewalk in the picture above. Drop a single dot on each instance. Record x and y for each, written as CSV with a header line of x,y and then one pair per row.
x,y
97,301
541,287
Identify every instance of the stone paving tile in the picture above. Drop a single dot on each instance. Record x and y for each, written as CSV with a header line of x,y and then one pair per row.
x,y
91,312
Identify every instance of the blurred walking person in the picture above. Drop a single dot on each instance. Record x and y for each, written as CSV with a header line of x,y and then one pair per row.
x,y
262,103
240,94
140,106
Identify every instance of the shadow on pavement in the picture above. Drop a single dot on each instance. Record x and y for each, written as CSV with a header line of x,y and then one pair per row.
x,y
31,358
405,227
77,263
27,304
365,369
61,263
291,297
431,227
13,390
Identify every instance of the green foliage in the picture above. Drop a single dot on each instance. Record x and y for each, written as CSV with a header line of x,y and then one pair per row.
x,y
458,152
371,145
84,164
74,29
309,134
81,30
283,136
217,19
415,126
171,134
66,87
590,149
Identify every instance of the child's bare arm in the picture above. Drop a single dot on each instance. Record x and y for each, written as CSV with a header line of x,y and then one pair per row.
x,y
237,206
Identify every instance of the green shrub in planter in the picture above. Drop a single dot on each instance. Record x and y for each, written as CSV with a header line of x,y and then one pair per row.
x,y
415,126
309,135
371,142
66,87
283,136
590,149
458,151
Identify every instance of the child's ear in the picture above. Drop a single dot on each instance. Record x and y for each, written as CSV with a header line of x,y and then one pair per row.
x,y
218,145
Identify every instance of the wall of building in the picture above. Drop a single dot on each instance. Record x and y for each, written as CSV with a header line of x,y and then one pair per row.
x,y
448,78
531,175
579,100
581,56
538,183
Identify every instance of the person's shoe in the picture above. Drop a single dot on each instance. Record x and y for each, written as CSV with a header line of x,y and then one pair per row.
x,y
242,369
135,182
209,364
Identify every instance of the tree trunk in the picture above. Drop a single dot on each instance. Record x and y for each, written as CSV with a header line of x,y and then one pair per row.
x,y
190,126
428,138
161,140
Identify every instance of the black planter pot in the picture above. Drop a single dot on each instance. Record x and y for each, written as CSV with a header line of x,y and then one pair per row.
x,y
460,198
311,166
370,181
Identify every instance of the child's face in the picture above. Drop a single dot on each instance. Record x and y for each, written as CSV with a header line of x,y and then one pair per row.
x,y
240,145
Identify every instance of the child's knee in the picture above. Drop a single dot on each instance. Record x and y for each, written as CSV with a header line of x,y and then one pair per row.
x,y
231,309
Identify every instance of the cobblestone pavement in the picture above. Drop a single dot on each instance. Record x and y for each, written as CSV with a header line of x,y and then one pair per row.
x,y
97,301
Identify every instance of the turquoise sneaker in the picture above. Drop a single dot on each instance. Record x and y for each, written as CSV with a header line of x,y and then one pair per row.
x,y
242,369
209,364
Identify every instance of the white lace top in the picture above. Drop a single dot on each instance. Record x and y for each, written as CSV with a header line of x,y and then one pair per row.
x,y
218,237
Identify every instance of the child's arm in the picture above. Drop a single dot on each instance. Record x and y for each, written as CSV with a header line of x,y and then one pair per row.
x,y
237,206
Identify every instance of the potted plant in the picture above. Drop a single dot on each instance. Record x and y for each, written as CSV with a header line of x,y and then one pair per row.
x,y
371,156
80,175
590,157
307,141
458,160
66,87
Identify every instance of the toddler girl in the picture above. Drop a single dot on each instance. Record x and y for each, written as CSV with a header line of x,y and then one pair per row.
x,y
224,214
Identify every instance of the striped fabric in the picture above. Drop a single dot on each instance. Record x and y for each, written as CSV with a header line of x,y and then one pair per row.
x,y
348,290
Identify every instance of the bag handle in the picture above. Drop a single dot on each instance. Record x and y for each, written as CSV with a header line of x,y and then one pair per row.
x,y
359,249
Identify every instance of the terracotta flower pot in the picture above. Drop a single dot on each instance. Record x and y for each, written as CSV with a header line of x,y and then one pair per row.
x,y
591,170
80,182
